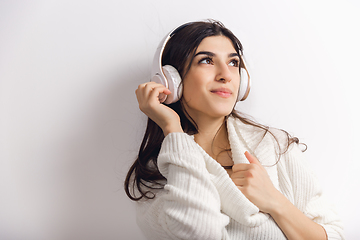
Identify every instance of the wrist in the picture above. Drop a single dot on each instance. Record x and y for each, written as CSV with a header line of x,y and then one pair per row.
x,y
170,129
280,205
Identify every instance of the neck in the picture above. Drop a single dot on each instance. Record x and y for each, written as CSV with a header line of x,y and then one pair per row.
x,y
212,135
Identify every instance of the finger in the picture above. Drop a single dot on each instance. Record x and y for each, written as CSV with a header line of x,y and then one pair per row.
x,y
149,84
143,85
240,182
157,90
144,90
148,97
251,158
241,167
238,175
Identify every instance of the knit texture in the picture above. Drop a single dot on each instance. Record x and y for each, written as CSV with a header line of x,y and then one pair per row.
x,y
200,201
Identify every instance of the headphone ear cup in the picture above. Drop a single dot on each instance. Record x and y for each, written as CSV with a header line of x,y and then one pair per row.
x,y
174,83
162,80
244,87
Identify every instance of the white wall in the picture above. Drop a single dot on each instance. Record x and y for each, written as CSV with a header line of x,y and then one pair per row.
x,y
69,122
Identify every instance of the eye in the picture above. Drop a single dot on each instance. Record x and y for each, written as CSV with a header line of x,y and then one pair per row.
x,y
234,63
206,60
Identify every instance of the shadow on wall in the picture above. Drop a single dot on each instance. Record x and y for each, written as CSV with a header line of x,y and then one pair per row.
x,y
94,159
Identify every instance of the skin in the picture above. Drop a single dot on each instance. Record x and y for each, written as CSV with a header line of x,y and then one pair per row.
x,y
209,95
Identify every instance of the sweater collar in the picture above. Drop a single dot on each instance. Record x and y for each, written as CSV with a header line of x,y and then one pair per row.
x,y
242,138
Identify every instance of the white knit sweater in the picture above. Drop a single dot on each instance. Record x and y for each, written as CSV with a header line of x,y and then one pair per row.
x,y
200,201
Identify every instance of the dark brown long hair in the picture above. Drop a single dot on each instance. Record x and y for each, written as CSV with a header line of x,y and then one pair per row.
x,y
144,176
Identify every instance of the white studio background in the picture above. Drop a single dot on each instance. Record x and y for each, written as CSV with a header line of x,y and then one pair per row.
x,y
69,122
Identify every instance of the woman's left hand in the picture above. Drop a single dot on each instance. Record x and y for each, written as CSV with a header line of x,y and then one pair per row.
x,y
254,182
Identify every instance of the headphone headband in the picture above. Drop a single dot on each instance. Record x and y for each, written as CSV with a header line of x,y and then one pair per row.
x,y
157,65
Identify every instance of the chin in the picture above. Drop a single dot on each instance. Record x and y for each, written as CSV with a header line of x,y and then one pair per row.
x,y
214,109
223,112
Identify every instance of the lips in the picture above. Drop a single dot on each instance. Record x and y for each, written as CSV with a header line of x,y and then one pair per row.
x,y
222,92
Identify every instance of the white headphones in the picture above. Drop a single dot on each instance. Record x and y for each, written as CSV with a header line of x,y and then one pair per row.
x,y
169,77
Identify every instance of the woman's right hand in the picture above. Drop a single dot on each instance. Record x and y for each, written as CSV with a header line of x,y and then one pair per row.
x,y
166,118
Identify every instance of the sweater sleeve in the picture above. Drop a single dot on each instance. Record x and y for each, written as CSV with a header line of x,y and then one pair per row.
x,y
189,205
308,196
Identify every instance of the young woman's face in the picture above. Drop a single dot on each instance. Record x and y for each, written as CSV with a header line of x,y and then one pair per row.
x,y
212,83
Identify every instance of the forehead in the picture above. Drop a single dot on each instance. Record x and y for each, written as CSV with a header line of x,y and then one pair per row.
x,y
216,44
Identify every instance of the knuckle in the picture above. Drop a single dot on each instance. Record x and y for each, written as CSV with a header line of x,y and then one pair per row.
x,y
149,87
252,172
141,85
236,181
236,167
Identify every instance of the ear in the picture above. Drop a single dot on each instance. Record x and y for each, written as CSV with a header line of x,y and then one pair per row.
x,y
251,158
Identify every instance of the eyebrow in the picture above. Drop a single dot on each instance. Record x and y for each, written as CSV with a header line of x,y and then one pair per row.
x,y
211,54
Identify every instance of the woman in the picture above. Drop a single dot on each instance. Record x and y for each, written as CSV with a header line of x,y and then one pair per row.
x,y
206,172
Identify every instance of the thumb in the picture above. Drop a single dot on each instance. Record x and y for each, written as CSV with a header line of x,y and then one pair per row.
x,y
251,158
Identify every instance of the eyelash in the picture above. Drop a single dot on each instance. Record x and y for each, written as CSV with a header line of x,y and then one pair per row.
x,y
206,58
235,61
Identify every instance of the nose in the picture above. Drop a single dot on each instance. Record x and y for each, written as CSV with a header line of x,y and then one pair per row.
x,y
223,73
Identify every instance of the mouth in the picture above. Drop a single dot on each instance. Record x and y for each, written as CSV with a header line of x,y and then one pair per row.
x,y
222,92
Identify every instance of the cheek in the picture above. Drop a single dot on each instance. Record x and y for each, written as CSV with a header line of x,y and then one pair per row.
x,y
190,91
193,84
237,80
